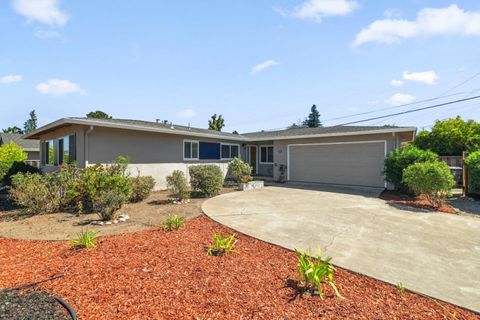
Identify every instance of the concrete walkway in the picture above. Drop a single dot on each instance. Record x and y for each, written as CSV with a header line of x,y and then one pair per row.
x,y
432,253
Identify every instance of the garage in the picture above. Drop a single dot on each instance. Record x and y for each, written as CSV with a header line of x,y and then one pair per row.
x,y
358,163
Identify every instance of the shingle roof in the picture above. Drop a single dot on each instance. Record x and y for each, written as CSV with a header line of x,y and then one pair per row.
x,y
27,145
198,132
175,128
293,132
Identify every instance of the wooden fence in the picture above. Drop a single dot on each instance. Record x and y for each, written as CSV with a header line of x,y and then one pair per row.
x,y
457,167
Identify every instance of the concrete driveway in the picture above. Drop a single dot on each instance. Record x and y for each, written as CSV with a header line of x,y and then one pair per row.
x,y
432,253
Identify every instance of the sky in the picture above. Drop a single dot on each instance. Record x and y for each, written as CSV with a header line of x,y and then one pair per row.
x,y
261,64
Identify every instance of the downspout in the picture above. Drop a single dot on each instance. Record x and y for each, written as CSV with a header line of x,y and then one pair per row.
x,y
87,133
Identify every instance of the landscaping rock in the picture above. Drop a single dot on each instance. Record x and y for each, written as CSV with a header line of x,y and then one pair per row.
x,y
107,223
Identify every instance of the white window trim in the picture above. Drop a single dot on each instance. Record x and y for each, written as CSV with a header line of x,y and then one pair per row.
x,y
260,153
198,150
229,144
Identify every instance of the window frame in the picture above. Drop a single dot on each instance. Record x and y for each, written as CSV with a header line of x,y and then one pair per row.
x,y
266,154
191,149
230,150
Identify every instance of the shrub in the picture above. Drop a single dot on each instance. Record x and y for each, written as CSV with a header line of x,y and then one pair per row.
x,y
9,154
86,239
314,272
222,245
206,179
36,193
177,184
432,179
107,202
240,170
18,167
473,164
173,223
141,188
399,159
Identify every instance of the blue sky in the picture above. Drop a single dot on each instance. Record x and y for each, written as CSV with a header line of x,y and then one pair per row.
x,y
261,64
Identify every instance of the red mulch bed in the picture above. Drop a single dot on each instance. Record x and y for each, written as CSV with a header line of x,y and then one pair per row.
x,y
153,274
393,197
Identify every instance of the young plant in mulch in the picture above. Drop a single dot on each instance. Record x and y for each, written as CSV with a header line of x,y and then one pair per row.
x,y
222,244
400,287
315,272
86,240
173,222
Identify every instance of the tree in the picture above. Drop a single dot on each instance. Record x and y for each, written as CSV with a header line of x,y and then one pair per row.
x,y
313,119
31,123
13,129
235,132
450,137
98,115
216,123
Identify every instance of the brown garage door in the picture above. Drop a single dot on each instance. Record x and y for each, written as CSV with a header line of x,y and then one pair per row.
x,y
353,163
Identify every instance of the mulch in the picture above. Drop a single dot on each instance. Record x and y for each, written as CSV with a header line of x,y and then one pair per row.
x,y
154,274
394,197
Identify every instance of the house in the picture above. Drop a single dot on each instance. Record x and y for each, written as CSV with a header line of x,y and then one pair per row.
x,y
31,147
347,155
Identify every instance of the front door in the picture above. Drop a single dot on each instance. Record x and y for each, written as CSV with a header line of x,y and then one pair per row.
x,y
252,157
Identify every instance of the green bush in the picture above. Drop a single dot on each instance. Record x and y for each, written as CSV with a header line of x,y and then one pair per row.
x,y
18,167
142,186
85,240
177,184
399,159
206,179
9,154
35,193
240,171
473,164
107,202
431,179
222,244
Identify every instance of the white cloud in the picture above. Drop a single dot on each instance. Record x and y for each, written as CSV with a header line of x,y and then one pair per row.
x,y
59,87
12,78
262,66
428,77
400,98
43,11
46,34
396,83
316,10
429,22
186,114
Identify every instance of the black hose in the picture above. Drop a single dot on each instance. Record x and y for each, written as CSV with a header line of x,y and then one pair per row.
x,y
72,313
25,286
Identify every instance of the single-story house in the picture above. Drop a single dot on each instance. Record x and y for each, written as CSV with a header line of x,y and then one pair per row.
x,y
30,146
346,155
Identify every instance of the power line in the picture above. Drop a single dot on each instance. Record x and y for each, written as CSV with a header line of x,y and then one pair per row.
x,y
410,111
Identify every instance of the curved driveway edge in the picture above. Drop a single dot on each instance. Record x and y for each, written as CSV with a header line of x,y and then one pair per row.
x,y
431,253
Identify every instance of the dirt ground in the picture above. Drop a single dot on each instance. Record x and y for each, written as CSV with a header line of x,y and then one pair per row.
x,y
63,226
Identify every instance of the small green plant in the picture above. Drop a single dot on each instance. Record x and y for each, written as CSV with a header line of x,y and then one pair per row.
x,y
314,272
173,222
240,170
434,180
222,244
142,186
400,287
177,184
86,240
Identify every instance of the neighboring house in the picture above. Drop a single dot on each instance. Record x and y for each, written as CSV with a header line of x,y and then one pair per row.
x,y
348,155
31,147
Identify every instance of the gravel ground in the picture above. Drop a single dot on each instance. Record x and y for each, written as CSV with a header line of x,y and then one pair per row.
x,y
154,274
30,305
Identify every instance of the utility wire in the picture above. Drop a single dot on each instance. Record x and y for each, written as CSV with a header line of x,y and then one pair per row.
x,y
410,111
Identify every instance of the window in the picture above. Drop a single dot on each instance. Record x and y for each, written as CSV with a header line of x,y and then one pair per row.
x,y
49,153
266,154
190,150
59,151
209,150
63,150
230,151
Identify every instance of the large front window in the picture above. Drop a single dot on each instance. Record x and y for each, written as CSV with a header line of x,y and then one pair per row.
x,y
266,154
59,151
